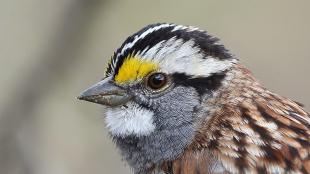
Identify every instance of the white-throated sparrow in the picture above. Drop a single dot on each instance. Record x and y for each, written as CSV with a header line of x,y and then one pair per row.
x,y
178,102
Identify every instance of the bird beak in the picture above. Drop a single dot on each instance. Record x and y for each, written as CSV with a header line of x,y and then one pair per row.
x,y
105,93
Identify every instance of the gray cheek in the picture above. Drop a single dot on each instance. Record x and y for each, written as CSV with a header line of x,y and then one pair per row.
x,y
176,107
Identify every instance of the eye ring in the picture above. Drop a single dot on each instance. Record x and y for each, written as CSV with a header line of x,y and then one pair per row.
x,y
157,81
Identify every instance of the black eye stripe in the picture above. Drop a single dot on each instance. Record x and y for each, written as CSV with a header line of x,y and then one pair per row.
x,y
201,84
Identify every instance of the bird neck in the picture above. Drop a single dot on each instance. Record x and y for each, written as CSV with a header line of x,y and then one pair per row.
x,y
146,152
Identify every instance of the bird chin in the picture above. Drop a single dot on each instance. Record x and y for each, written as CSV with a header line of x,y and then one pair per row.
x,y
129,120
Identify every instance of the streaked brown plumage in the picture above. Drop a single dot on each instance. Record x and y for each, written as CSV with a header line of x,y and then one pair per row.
x,y
251,130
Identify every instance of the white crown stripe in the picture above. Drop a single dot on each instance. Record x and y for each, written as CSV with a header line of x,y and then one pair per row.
x,y
136,39
141,36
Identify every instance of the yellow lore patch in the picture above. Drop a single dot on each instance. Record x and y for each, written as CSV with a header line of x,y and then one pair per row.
x,y
134,68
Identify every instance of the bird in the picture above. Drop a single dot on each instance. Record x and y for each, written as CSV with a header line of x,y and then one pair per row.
x,y
179,102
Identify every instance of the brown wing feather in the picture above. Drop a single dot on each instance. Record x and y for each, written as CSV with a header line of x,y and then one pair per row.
x,y
266,135
192,162
259,135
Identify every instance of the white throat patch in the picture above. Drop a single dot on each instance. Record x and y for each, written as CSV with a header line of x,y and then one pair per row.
x,y
133,120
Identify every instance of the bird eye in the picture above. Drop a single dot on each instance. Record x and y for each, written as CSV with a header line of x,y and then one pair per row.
x,y
157,81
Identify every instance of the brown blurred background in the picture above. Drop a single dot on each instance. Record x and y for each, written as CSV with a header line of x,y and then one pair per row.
x,y
50,50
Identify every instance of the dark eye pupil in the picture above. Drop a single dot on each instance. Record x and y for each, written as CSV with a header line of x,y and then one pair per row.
x,y
157,80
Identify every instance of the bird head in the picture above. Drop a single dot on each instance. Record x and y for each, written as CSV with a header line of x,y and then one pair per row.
x,y
157,79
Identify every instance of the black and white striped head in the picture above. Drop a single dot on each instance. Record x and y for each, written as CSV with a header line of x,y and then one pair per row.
x,y
158,76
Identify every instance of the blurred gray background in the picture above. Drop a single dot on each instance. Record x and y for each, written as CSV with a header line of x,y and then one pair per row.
x,y
51,50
